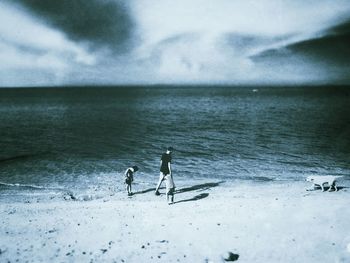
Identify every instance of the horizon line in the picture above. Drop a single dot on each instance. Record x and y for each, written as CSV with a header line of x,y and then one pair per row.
x,y
296,85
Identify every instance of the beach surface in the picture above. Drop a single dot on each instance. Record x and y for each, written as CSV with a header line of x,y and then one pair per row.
x,y
256,222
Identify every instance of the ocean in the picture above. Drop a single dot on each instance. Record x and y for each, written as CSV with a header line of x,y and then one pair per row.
x,y
81,139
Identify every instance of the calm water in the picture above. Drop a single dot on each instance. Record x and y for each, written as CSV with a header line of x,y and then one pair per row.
x,y
84,138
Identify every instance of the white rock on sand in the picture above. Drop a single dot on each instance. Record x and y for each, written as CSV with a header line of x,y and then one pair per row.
x,y
267,222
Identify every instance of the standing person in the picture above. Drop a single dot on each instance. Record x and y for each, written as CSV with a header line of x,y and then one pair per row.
x,y
165,168
129,178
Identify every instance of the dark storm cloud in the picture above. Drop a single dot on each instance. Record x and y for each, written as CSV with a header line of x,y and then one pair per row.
x,y
332,51
100,22
251,44
343,28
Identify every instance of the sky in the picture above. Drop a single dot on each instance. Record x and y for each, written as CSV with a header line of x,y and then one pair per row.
x,y
115,42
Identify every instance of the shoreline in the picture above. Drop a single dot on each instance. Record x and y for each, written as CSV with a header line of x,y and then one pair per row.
x,y
31,193
267,222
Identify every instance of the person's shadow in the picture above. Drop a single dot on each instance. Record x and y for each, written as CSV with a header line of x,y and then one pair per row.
x,y
201,187
195,198
198,187
144,191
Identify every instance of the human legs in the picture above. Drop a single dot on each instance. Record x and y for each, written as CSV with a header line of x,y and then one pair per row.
x,y
170,188
161,178
128,189
170,196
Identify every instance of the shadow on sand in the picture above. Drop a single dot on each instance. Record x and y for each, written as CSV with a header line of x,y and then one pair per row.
x,y
202,187
326,188
144,191
195,198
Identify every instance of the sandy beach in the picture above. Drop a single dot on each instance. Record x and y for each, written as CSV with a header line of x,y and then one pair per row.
x,y
239,104
260,222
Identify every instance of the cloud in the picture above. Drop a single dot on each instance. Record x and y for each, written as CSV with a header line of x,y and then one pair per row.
x,y
184,41
268,18
329,51
200,40
100,23
34,52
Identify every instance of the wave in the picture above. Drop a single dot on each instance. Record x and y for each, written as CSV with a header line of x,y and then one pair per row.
x,y
66,193
22,157
31,186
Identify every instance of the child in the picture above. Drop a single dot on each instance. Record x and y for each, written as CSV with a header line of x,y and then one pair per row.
x,y
129,178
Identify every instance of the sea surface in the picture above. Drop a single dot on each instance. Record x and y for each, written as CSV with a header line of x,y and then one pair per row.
x,y
82,139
